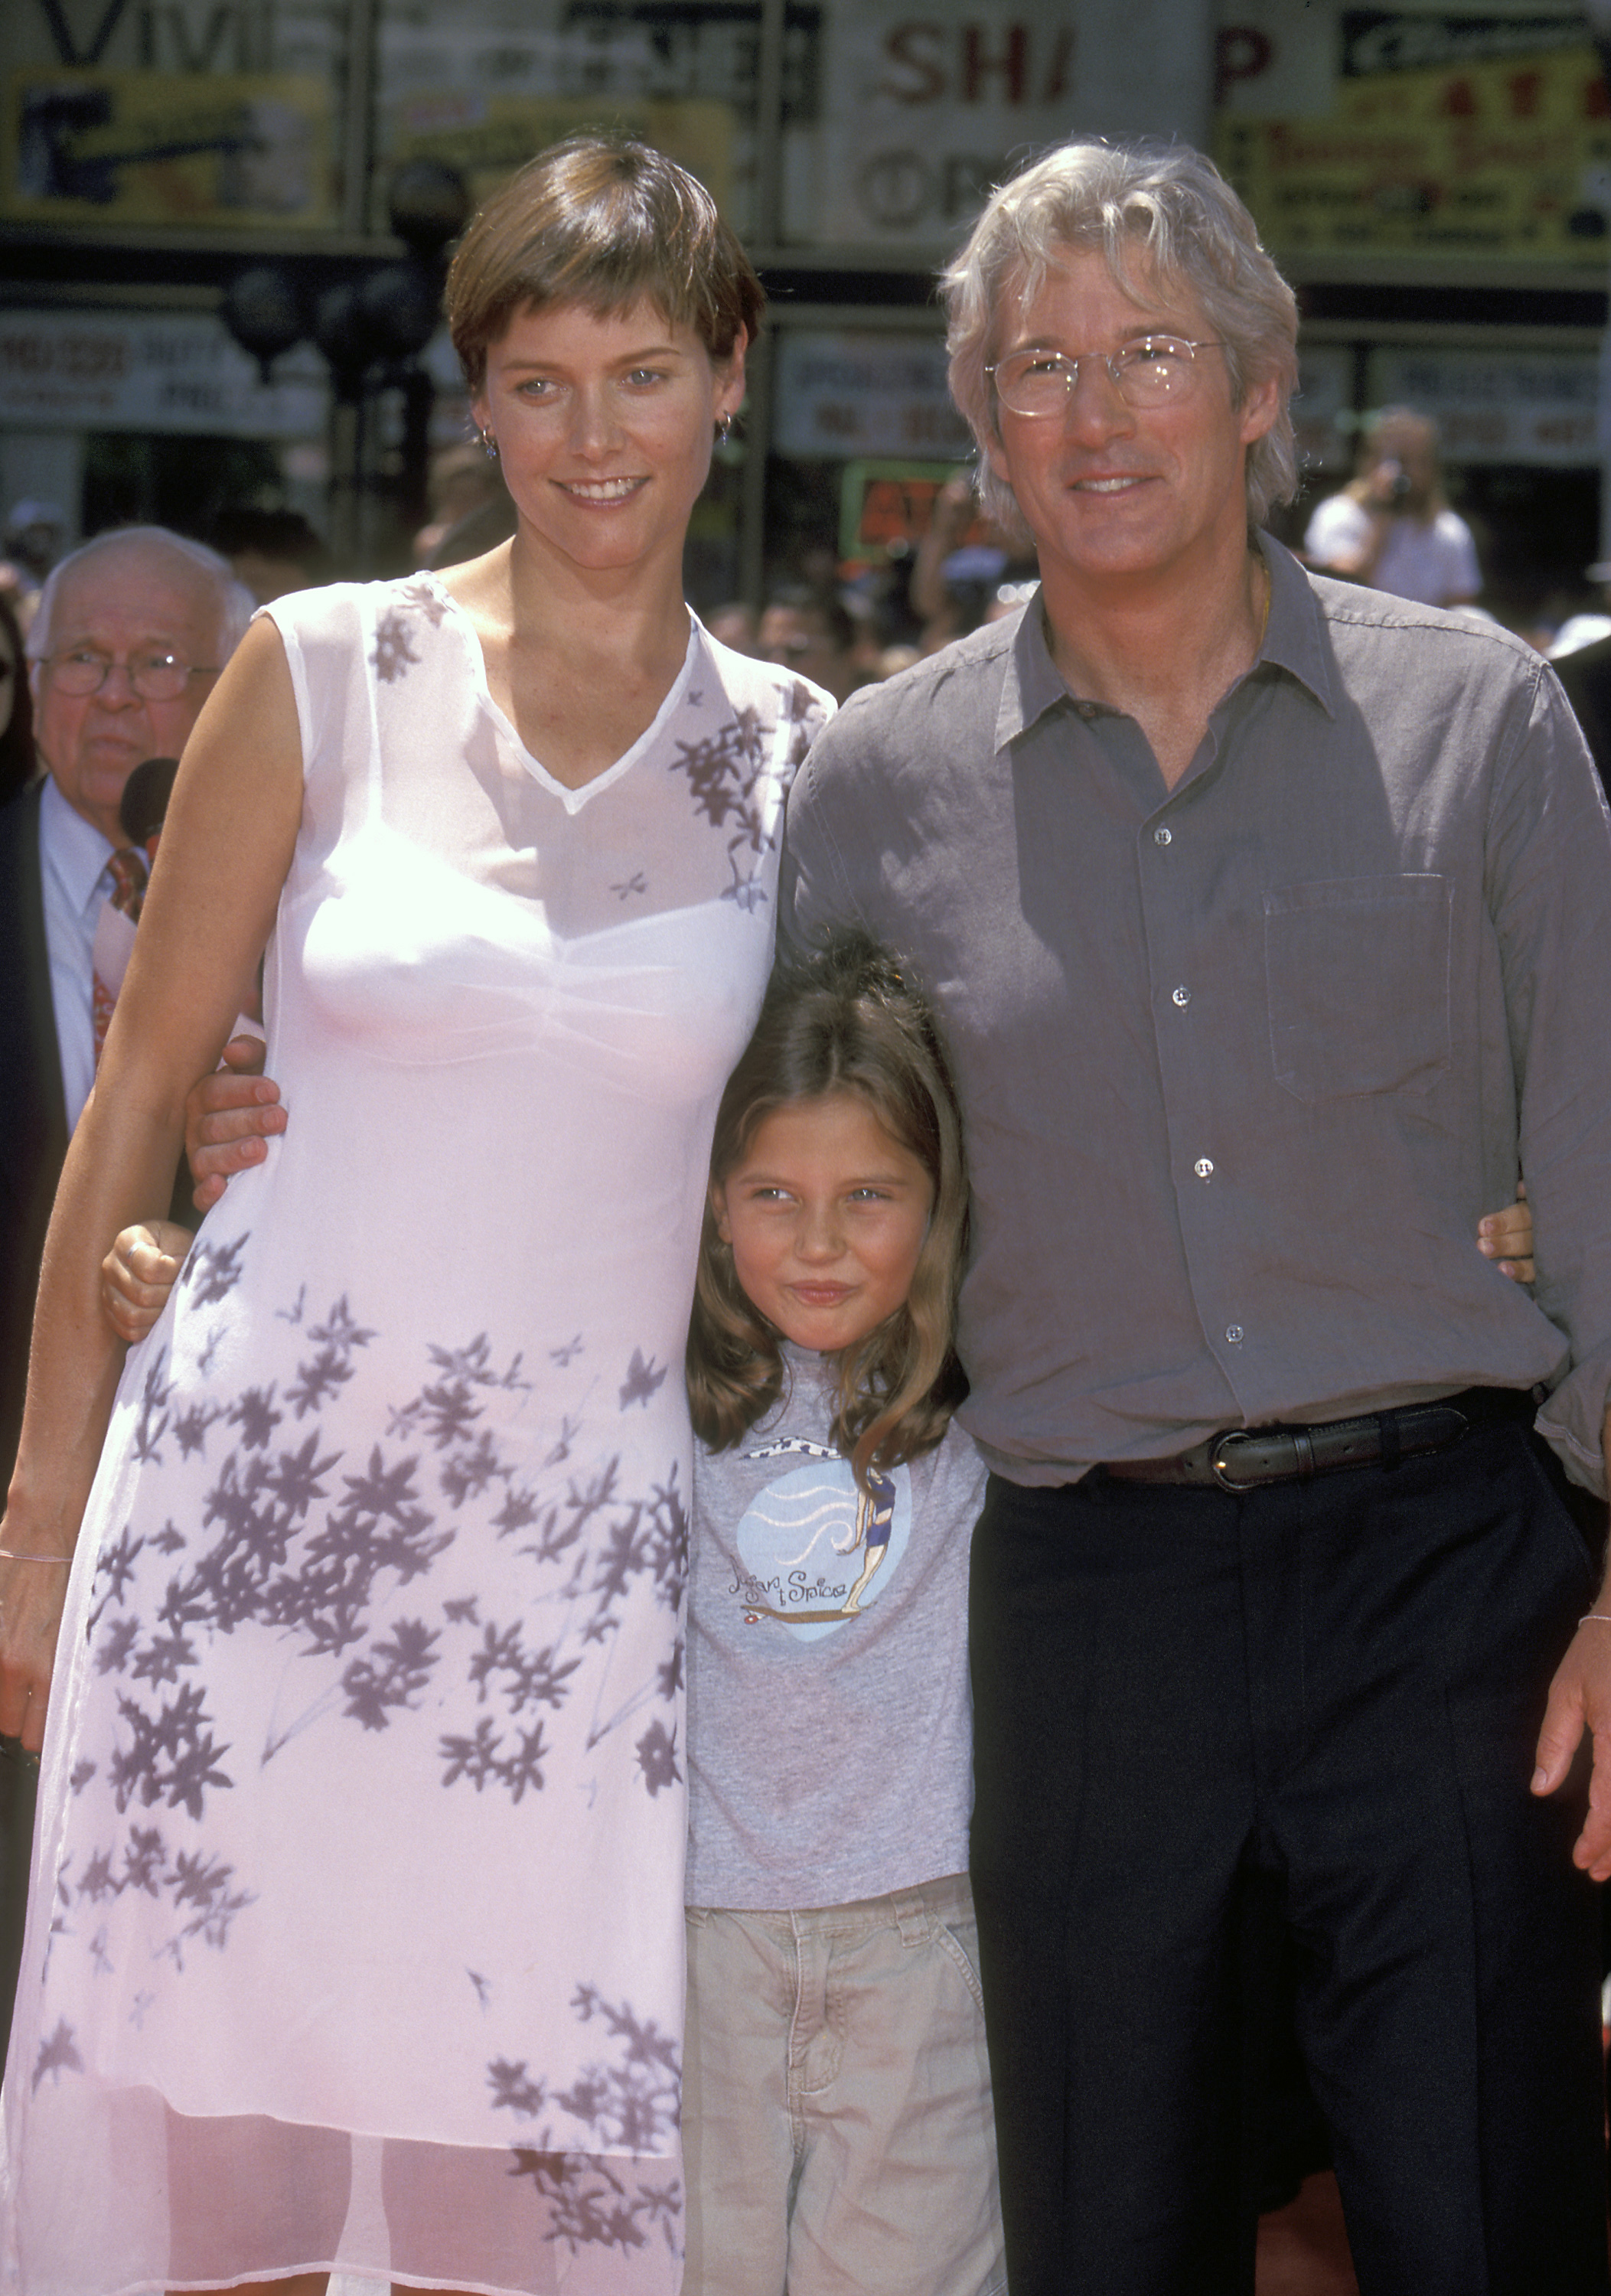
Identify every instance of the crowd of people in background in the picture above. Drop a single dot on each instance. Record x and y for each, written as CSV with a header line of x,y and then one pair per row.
x,y
847,623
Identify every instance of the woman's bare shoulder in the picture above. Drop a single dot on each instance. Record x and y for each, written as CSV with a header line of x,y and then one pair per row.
x,y
483,587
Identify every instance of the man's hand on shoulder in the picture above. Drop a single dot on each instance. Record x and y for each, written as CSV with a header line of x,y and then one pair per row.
x,y
228,1117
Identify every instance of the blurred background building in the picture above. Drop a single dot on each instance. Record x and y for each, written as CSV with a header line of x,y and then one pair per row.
x,y
222,224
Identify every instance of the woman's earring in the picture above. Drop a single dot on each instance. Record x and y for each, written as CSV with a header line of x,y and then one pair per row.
x,y
489,445
724,430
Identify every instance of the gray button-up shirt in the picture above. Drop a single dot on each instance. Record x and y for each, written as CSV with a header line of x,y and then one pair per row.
x,y
1243,1064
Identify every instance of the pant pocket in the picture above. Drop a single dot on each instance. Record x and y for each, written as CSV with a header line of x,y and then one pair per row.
x,y
959,1942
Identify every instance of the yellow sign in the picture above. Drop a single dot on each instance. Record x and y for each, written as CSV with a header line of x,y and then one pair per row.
x,y
1509,156
486,137
208,148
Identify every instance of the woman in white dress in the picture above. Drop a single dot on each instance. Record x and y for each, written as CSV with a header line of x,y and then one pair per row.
x,y
354,1939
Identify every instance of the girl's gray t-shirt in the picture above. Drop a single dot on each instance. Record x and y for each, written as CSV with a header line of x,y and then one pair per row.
x,y
828,1712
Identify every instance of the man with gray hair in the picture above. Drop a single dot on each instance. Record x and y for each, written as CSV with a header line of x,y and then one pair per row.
x,y
1273,917
129,635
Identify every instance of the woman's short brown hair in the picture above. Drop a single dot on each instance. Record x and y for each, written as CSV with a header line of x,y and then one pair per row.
x,y
601,220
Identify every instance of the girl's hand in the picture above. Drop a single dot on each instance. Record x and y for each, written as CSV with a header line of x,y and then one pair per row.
x,y
1507,1237
138,1275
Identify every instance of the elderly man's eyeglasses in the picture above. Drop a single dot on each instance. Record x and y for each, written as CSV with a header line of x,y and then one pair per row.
x,y
1150,371
154,676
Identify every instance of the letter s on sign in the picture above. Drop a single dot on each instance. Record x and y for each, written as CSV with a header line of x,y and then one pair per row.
x,y
925,75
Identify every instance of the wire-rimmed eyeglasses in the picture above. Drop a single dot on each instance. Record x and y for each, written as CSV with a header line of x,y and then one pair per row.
x,y
1150,371
154,676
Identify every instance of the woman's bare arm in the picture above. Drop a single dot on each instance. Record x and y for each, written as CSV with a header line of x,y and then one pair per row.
x,y
227,845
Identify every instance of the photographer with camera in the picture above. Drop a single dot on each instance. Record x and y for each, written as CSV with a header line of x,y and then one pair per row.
x,y
1391,527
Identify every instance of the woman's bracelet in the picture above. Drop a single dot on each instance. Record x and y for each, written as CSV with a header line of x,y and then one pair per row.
x,y
1604,1618
8,1554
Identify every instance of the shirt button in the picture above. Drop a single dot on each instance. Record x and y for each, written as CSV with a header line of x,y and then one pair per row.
x,y
1233,1333
1182,997
1163,837
1204,1167
1088,710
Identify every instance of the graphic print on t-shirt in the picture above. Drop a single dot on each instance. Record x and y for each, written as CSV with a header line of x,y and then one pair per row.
x,y
814,1549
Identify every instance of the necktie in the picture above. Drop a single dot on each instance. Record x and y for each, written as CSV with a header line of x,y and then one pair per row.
x,y
127,870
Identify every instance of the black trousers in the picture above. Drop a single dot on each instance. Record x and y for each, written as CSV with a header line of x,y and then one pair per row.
x,y
1191,1705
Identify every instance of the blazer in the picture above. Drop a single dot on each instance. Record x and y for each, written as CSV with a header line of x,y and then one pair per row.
x,y
33,1113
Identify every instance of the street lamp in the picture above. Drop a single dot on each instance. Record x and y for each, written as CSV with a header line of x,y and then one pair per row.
x,y
264,313
371,325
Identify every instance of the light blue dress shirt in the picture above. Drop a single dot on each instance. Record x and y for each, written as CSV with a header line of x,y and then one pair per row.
x,y
73,855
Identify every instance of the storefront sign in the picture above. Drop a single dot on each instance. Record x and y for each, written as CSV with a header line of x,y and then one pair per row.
x,y
846,394
175,36
1525,407
706,51
112,370
484,87
924,108
486,137
130,147
898,115
1497,151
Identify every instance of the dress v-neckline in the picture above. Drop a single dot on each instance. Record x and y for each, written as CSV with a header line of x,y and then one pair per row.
x,y
573,800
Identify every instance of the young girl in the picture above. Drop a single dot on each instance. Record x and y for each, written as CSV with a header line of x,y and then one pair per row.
x,y
836,2108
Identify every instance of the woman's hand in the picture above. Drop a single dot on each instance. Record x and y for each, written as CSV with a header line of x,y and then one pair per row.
x,y
139,1273
1507,1237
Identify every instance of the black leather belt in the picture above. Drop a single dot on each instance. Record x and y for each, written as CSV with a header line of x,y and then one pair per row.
x,y
1242,1458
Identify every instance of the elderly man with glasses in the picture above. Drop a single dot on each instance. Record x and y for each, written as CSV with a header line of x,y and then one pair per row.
x,y
129,636
1273,915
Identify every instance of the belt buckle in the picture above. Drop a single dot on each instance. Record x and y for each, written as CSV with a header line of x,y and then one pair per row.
x,y
1217,1464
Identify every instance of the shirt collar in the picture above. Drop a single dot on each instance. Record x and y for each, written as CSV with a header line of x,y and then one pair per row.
x,y
1294,635
1033,683
1295,640
74,848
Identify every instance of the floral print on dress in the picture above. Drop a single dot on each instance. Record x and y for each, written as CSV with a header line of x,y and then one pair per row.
x,y
343,1558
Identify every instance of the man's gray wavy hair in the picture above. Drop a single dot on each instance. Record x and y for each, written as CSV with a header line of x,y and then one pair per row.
x,y
235,604
1148,208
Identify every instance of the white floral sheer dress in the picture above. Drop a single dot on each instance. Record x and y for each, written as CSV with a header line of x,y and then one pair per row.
x,y
354,1936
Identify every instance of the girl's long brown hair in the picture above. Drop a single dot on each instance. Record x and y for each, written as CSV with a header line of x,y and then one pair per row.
x,y
846,1020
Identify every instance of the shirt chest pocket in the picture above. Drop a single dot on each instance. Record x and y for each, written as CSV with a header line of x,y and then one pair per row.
x,y
1357,974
